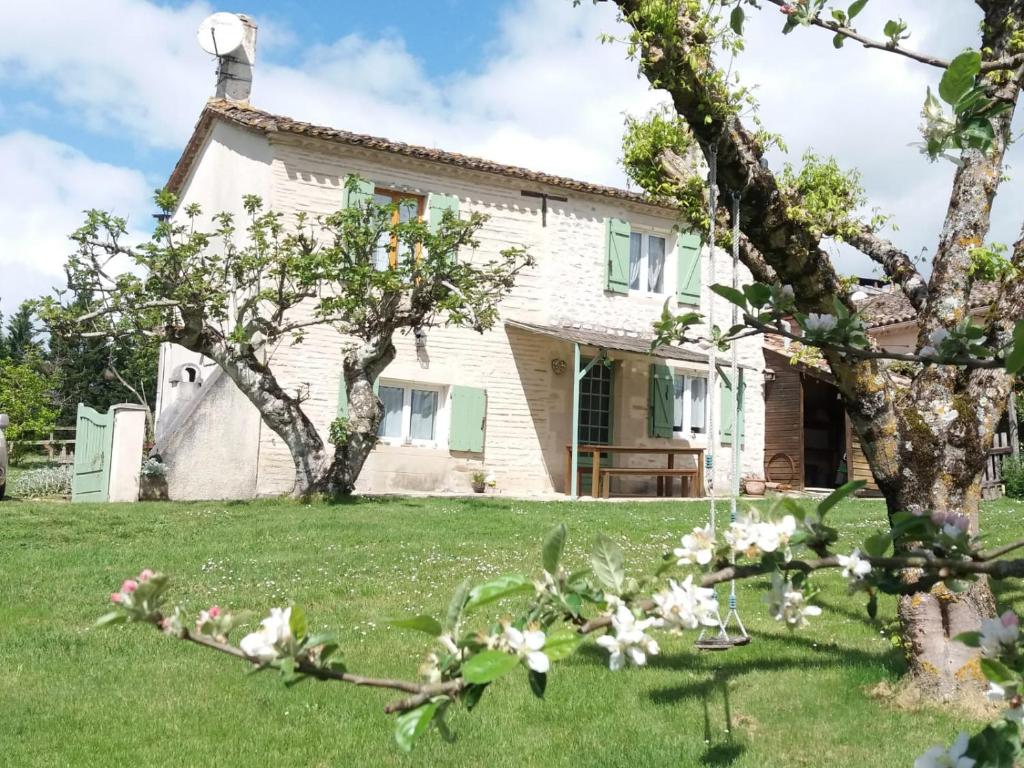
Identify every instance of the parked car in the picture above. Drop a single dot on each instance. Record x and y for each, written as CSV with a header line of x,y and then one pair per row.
x,y
4,421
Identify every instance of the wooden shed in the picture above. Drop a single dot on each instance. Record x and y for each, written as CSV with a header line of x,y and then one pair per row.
x,y
809,441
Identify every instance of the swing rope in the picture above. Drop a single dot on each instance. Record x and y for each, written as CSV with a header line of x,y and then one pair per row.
x,y
723,641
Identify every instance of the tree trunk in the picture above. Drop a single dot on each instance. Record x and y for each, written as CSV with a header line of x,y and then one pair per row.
x,y
361,368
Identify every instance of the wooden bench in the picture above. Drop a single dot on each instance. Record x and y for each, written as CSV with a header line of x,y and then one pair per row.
x,y
662,473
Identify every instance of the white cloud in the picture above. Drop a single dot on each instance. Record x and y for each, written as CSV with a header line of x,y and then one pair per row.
x,y
47,186
547,94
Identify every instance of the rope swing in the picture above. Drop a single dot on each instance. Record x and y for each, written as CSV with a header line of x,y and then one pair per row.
x,y
723,640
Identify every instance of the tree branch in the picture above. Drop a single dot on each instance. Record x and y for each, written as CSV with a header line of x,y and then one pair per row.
x,y
895,262
1009,62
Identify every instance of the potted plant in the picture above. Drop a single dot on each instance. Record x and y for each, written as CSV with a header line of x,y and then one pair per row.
x,y
479,482
753,485
153,480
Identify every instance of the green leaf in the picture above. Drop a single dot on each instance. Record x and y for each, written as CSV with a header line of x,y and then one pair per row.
x,y
426,624
471,695
970,639
114,617
411,725
736,19
838,495
732,295
758,294
878,544
855,8
838,40
297,622
501,587
996,671
606,560
561,644
456,606
1015,360
554,544
959,76
538,682
488,665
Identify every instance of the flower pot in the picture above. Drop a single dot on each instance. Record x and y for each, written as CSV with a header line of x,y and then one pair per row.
x,y
479,487
153,488
754,487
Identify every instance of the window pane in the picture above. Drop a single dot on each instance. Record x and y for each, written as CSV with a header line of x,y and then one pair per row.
x,y
391,398
698,397
679,385
655,264
635,244
424,407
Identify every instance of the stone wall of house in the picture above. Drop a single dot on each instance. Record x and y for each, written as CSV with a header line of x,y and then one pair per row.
x,y
529,406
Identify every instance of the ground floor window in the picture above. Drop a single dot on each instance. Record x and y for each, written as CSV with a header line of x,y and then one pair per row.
x,y
595,426
412,413
691,394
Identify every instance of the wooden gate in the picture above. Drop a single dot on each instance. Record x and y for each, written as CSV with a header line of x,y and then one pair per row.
x,y
992,479
93,443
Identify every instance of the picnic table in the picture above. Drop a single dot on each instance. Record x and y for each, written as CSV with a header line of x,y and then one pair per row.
x,y
600,483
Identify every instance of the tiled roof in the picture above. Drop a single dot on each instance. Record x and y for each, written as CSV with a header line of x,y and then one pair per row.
x,y
893,307
265,122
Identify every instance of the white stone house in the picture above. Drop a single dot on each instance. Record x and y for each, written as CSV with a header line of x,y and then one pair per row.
x,y
606,262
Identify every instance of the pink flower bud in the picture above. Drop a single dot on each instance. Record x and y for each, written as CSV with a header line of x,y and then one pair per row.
x,y
214,611
115,597
1010,619
129,586
145,575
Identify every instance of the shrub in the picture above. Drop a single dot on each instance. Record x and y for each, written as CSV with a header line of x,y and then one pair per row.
x,y
1013,477
153,468
46,481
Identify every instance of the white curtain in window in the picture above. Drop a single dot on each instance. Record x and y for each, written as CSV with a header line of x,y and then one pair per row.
x,y
698,399
424,408
391,398
655,263
635,246
679,384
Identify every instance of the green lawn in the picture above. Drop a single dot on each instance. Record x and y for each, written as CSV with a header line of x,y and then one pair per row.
x,y
72,695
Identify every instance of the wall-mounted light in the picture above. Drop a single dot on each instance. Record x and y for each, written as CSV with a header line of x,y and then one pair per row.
x,y
558,365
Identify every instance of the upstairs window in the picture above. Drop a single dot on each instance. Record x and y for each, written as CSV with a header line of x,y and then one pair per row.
x,y
646,263
389,251
691,393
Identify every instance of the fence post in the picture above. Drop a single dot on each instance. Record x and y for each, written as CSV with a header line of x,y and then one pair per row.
x,y
1011,414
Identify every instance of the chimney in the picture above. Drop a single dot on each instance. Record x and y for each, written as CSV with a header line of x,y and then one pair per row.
x,y
234,75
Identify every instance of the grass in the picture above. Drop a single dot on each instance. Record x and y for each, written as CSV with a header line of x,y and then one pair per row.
x,y
128,696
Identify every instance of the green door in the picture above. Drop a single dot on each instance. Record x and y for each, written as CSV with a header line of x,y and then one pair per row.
x,y
94,439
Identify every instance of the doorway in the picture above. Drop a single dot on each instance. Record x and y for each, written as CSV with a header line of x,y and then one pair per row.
x,y
824,435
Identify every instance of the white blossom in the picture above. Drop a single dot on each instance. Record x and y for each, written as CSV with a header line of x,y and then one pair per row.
x,y
631,642
954,757
787,292
822,323
855,568
684,606
788,604
527,645
749,535
999,634
697,547
273,636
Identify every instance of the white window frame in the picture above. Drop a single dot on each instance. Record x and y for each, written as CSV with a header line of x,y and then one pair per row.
x,y
688,429
645,246
440,416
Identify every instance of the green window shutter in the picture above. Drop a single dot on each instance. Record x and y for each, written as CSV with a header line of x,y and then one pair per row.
x,y
437,205
688,268
726,395
468,413
661,402
362,194
617,244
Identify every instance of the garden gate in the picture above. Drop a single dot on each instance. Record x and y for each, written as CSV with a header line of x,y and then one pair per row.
x,y
93,449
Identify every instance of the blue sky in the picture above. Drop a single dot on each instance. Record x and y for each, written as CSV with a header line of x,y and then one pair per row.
x,y
97,99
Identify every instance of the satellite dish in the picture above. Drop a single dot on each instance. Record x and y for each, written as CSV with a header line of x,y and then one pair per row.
x,y
221,33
